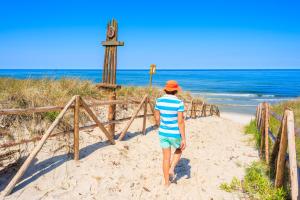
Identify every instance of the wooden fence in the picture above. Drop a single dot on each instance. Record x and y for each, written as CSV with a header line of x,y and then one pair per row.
x,y
76,103
198,108
285,140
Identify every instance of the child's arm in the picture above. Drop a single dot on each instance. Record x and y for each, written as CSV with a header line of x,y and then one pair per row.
x,y
181,126
156,114
157,117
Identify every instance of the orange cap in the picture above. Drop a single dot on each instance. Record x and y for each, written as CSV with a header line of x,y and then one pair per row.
x,y
172,85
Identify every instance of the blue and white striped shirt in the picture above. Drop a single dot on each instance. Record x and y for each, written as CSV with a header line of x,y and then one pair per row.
x,y
169,106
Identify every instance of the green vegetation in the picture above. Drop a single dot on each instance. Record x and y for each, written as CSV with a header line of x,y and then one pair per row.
x,y
275,124
293,105
51,115
234,185
256,184
251,129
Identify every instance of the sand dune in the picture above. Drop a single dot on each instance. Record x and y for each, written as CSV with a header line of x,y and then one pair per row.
x,y
217,151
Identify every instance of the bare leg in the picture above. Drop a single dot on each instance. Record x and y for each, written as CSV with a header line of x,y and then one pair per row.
x,y
175,160
166,164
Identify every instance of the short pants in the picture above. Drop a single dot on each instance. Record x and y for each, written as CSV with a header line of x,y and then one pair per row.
x,y
167,142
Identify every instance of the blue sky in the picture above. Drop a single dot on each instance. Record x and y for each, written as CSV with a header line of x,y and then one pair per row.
x,y
172,34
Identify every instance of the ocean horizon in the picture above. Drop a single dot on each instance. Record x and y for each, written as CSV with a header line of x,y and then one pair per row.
x,y
234,90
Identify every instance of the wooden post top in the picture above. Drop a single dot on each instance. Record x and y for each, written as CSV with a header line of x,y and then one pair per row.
x,y
112,34
109,72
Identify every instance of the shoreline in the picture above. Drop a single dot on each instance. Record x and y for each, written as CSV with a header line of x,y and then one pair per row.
x,y
238,107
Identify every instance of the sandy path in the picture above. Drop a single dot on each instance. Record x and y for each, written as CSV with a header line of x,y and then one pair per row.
x,y
217,151
239,118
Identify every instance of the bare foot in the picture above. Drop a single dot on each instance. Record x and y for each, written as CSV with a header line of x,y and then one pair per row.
x,y
171,174
166,185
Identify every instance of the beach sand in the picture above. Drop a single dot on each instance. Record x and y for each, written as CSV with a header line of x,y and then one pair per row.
x,y
217,150
243,119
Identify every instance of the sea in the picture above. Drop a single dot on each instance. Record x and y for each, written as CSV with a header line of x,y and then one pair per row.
x,y
232,90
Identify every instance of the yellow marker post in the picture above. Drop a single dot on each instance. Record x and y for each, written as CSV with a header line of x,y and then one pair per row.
x,y
152,71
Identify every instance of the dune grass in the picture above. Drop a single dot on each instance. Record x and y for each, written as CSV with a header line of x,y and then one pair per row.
x,y
256,184
274,124
257,181
15,93
32,93
294,105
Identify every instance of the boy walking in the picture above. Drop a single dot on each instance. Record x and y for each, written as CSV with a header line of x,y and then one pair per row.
x,y
169,114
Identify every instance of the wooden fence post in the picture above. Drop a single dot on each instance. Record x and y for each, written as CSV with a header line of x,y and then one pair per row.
x,y
191,110
262,119
259,116
262,133
145,116
266,130
35,151
256,114
194,110
187,111
211,110
203,110
151,106
202,107
276,148
292,154
280,165
112,112
218,112
76,127
285,140
132,118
